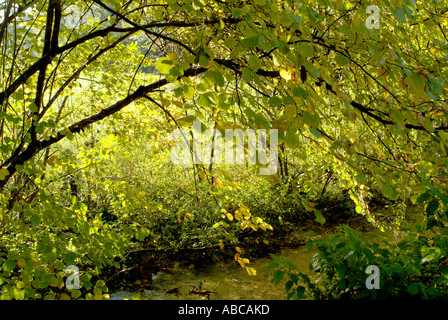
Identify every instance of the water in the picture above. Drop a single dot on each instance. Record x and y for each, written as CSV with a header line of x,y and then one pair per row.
x,y
224,280
227,280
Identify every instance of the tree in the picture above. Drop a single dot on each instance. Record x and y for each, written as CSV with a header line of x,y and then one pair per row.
x,y
367,99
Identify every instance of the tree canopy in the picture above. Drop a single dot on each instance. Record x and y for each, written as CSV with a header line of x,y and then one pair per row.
x,y
355,88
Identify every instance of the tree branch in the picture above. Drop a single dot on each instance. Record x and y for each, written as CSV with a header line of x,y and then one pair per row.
x,y
35,146
101,33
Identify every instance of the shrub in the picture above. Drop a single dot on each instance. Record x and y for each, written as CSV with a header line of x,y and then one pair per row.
x,y
414,268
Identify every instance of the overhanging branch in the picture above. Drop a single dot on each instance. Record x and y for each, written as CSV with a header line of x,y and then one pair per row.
x,y
36,146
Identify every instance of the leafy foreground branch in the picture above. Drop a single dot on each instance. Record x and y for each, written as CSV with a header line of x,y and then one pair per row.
x,y
85,172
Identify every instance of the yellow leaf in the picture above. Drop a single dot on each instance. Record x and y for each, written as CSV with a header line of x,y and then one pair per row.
x,y
172,56
257,220
251,271
219,184
221,245
244,224
285,74
243,261
189,215
52,160
238,215
202,176
411,166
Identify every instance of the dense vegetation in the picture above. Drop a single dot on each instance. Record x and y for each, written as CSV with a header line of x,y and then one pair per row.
x,y
91,92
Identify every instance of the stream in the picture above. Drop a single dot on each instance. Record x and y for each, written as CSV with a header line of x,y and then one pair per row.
x,y
225,280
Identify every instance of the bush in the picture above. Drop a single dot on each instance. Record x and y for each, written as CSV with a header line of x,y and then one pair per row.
x,y
415,268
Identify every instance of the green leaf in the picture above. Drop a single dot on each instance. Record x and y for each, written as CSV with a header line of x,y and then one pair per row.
x,y
259,118
430,254
319,217
3,173
342,284
361,178
417,84
292,139
164,65
311,120
230,43
203,61
341,60
288,285
423,197
75,293
300,92
432,207
399,14
250,42
306,50
341,268
35,220
237,12
189,92
204,101
435,86
9,265
444,198
278,276
175,71
141,234
186,119
275,101
13,255
389,191
315,132
219,78
309,245
397,116
247,75
300,291
254,62
296,18
32,107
